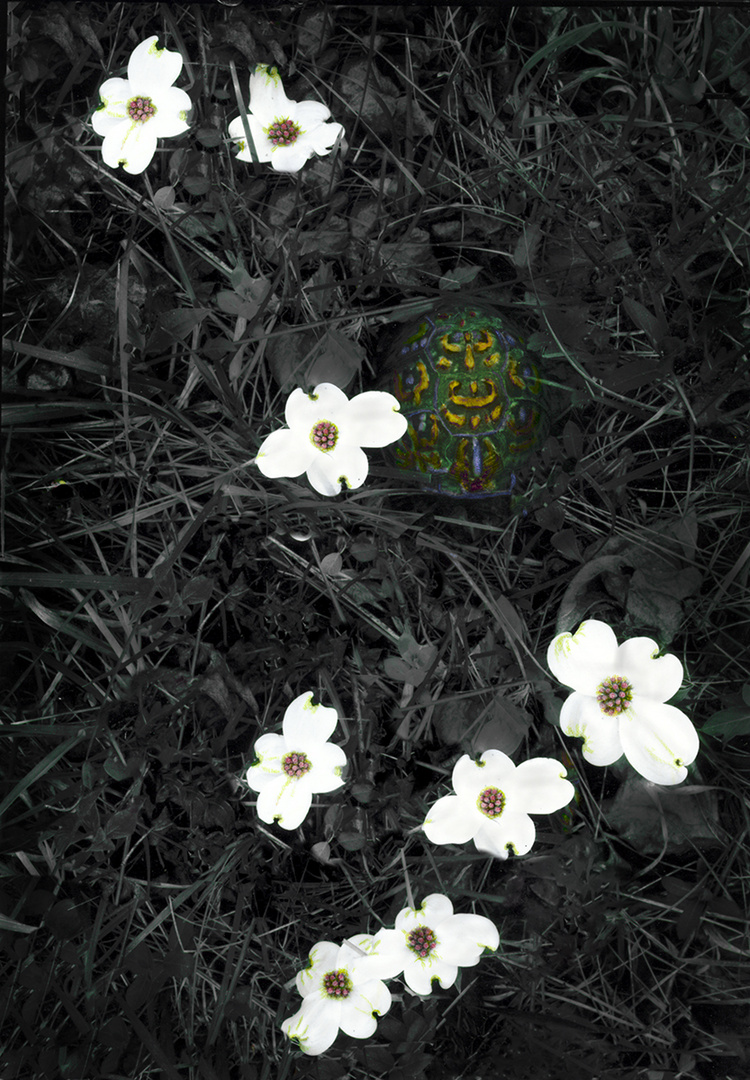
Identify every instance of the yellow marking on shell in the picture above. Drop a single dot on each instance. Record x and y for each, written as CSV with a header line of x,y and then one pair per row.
x,y
475,421
485,342
514,376
491,361
444,363
415,392
458,419
447,345
462,464
476,400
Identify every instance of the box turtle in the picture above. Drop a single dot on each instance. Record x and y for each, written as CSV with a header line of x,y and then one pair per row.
x,y
472,394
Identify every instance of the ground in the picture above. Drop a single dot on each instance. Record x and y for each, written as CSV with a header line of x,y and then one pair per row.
x,y
580,170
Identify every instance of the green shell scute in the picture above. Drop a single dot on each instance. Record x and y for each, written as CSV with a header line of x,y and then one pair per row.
x,y
474,399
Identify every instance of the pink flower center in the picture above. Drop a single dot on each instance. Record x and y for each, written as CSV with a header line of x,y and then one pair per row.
x,y
296,765
337,984
614,695
491,802
141,109
283,132
422,941
324,435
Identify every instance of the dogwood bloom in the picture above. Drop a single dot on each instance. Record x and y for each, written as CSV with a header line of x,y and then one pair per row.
x,y
284,132
493,801
290,768
142,108
430,942
338,994
325,436
618,704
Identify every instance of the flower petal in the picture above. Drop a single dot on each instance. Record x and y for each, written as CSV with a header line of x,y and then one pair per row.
x,y
538,787
130,145
315,1026
152,67
654,677
353,947
263,145
496,768
386,957
356,1016
418,975
306,723
658,740
269,749
464,937
582,717
435,909
115,94
289,159
309,114
327,402
267,97
321,139
103,122
470,777
328,762
496,834
583,659
270,745
285,800
114,132
376,418
172,106
351,953
345,463
451,820
284,453
354,954
322,957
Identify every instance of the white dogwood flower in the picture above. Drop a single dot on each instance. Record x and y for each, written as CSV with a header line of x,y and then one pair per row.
x,y
292,767
493,801
338,993
618,704
325,436
429,942
142,108
284,132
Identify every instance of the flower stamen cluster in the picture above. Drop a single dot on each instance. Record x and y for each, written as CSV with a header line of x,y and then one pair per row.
x,y
614,695
324,435
296,765
337,984
141,109
422,941
283,132
492,802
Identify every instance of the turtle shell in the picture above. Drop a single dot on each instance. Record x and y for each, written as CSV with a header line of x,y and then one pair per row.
x,y
472,394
